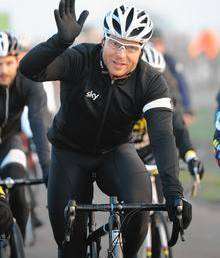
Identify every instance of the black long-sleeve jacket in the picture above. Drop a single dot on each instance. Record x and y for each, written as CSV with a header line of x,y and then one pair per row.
x,y
97,114
24,92
181,133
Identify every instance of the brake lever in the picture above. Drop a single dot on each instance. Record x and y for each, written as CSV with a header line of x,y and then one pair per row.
x,y
180,219
177,228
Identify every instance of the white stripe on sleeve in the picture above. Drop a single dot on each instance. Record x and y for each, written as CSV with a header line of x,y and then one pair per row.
x,y
158,103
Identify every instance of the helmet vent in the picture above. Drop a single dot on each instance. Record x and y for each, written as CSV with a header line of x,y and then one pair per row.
x,y
136,32
106,24
145,20
141,14
117,26
148,35
129,19
116,12
122,9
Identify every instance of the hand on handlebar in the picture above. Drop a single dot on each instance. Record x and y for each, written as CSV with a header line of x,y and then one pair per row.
x,y
196,167
180,213
178,206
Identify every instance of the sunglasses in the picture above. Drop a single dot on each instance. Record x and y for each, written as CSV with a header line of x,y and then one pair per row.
x,y
128,47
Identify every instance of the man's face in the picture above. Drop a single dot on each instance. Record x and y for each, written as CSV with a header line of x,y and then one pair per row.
x,y
8,69
120,56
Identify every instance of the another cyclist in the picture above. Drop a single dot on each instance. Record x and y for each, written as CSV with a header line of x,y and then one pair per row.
x,y
184,144
216,139
176,71
6,218
104,90
16,91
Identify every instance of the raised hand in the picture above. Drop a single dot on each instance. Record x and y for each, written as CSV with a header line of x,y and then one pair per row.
x,y
68,27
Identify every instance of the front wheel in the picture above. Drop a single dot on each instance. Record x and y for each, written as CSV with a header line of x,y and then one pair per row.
x,y
16,242
160,237
156,242
4,247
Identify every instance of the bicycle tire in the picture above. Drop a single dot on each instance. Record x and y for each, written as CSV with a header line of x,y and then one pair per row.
x,y
30,236
93,251
16,242
4,248
157,218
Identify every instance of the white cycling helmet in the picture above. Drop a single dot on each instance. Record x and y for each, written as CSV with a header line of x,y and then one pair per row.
x,y
8,44
128,23
154,58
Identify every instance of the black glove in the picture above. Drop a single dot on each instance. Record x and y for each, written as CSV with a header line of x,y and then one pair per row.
x,y
6,217
195,166
68,27
172,204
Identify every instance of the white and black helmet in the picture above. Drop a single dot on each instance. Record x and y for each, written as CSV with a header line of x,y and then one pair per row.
x,y
8,44
128,23
154,58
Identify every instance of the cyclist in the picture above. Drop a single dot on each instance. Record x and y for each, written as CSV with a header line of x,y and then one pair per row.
x,y
104,89
176,71
186,150
16,91
184,145
216,139
6,218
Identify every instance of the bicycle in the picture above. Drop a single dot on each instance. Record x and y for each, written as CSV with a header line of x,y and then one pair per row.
x,y
114,225
156,242
12,245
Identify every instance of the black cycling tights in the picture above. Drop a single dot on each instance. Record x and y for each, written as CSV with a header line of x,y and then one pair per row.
x,y
17,199
119,173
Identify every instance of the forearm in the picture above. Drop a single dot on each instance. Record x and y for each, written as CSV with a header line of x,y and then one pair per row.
x,y
41,143
164,149
38,116
36,61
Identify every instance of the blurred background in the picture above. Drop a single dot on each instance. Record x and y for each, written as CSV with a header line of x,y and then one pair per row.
x,y
191,32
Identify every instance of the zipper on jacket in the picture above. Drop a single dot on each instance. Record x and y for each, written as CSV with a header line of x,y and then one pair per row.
x,y
6,113
104,117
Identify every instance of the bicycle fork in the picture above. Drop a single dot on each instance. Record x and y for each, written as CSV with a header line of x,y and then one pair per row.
x,y
163,240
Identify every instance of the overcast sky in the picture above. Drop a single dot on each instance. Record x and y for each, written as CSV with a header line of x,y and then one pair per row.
x,y
35,17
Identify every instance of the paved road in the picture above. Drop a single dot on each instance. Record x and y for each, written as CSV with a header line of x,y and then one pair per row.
x,y
203,238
